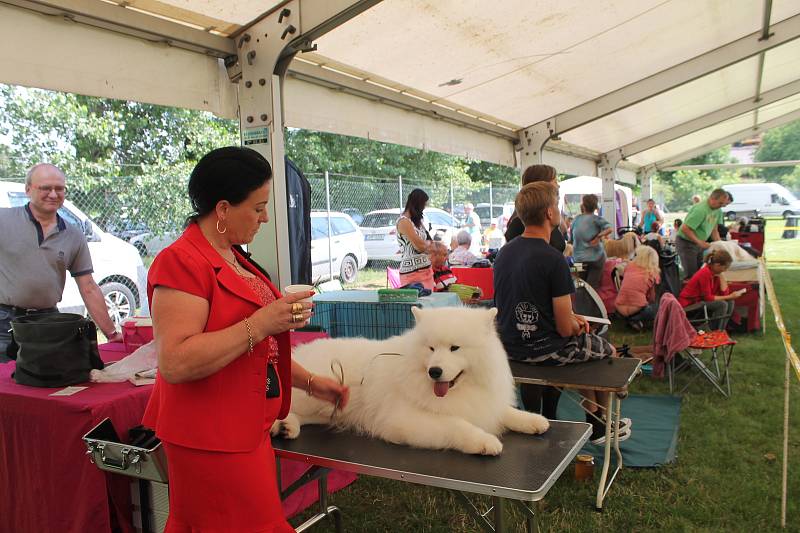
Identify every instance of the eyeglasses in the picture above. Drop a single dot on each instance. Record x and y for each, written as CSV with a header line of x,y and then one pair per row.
x,y
58,189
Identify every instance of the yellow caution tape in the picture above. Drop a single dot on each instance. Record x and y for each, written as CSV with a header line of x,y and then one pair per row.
x,y
776,311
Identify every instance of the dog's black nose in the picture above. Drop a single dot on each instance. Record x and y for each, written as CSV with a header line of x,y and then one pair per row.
x,y
435,372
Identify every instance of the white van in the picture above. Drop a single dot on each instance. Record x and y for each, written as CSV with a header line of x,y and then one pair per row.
x,y
118,269
766,199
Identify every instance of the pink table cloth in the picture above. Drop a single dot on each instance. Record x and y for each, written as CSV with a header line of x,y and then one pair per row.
x,y
46,480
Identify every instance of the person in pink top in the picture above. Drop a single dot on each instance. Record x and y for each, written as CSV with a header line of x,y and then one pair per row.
x,y
636,300
708,289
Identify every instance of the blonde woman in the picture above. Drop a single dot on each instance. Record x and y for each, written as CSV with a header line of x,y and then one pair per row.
x,y
636,300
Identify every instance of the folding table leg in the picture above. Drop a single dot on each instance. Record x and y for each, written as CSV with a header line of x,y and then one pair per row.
x,y
612,439
531,526
498,505
325,510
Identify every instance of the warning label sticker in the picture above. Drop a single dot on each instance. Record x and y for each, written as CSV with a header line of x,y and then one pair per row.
x,y
259,135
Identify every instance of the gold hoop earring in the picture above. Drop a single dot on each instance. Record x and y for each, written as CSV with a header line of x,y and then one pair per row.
x,y
220,231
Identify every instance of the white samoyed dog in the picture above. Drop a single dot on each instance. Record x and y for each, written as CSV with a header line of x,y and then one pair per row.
x,y
445,384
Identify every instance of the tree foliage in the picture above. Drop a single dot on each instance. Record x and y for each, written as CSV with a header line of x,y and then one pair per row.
x,y
128,162
677,187
781,144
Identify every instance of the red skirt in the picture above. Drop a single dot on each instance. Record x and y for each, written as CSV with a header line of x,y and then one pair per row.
x,y
218,492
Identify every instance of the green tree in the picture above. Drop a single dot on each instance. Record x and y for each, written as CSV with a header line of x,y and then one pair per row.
x,y
678,186
780,144
125,160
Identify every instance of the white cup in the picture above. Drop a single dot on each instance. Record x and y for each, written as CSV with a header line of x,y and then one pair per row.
x,y
292,289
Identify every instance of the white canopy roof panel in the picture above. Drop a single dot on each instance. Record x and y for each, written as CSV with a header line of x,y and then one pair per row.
x,y
458,76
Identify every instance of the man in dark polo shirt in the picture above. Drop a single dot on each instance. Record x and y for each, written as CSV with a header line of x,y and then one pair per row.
x,y
37,248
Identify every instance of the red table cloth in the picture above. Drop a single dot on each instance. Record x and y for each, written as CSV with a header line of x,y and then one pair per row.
x,y
46,480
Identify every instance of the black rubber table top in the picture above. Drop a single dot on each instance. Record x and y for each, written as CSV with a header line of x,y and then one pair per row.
x,y
526,469
614,374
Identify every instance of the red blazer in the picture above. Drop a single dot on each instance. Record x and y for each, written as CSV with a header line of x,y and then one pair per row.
x,y
224,411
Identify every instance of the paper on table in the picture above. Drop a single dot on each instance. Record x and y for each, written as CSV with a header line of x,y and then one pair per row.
x,y
68,391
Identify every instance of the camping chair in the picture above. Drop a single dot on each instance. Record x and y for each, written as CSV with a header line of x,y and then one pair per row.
x,y
719,347
587,302
617,274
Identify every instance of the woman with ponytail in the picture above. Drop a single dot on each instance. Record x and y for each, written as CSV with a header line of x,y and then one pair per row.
x,y
708,289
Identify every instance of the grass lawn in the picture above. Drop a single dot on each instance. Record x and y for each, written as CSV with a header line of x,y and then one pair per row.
x,y
726,478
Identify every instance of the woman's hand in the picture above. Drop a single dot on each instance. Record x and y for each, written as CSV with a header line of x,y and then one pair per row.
x,y
283,314
330,390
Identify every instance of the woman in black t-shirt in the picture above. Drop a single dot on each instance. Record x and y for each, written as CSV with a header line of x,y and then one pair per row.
x,y
515,227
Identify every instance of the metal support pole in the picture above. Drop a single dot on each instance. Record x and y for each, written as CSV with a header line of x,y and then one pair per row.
x,y
608,166
400,188
330,236
785,470
491,203
532,141
452,202
646,179
264,50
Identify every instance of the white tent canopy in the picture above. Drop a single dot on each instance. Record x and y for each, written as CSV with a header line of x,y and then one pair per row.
x,y
610,88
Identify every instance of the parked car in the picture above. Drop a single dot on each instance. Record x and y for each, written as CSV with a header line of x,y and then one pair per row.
x,y
126,230
497,212
341,256
766,199
355,214
150,243
380,233
118,269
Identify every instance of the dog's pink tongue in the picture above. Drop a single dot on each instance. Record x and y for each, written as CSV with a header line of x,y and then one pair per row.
x,y
440,388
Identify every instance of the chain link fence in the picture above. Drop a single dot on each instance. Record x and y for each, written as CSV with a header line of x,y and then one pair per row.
x,y
359,195
149,212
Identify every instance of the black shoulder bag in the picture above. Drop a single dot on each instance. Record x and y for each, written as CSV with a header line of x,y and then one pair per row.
x,y
54,349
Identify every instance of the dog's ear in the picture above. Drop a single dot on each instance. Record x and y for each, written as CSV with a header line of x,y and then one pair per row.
x,y
491,312
417,312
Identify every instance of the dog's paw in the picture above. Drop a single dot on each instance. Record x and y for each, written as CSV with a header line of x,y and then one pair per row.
x,y
287,429
486,444
536,423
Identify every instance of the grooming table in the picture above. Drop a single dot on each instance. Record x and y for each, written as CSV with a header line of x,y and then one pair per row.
x,y
611,376
526,469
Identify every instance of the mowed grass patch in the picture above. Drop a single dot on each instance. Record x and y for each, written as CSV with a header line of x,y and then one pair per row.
x,y
726,477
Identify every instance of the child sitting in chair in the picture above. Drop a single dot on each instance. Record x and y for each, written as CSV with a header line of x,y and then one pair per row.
x,y
445,280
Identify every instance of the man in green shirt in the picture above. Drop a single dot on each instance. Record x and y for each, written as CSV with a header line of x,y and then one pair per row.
x,y
700,223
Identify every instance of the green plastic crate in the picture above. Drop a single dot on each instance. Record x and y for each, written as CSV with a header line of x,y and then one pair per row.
x,y
398,295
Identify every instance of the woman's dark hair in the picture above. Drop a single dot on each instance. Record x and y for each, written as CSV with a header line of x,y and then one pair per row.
x,y
229,173
415,204
536,173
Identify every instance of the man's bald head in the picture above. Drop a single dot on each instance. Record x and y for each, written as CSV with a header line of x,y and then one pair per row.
x,y
46,187
44,170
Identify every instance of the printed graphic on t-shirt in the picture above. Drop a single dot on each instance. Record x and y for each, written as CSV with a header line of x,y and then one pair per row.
x,y
527,317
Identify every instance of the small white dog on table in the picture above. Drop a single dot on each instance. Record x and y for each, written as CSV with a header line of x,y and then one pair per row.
x,y
445,384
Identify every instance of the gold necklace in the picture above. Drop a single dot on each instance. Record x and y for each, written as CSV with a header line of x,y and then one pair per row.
x,y
234,264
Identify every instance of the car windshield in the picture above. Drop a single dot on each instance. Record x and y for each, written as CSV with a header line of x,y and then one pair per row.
x,y
379,220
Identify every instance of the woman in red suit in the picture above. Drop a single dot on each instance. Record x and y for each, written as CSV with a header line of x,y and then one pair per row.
x,y
224,359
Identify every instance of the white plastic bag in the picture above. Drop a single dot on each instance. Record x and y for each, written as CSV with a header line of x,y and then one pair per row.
x,y
144,358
